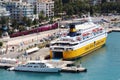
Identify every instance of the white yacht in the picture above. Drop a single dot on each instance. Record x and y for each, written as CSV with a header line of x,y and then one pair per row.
x,y
36,66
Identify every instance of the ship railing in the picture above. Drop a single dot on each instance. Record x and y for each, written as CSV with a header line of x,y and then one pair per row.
x,y
65,48
57,50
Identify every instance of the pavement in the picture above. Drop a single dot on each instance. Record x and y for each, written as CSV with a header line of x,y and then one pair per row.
x,y
39,55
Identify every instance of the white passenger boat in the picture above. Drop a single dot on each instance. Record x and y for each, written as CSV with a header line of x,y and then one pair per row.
x,y
36,66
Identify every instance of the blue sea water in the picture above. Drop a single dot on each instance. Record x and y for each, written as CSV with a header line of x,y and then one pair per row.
x,y
102,64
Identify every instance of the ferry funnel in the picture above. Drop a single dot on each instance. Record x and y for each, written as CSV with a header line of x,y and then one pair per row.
x,y
72,31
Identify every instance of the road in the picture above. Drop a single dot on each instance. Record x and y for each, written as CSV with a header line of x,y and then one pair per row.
x,y
23,42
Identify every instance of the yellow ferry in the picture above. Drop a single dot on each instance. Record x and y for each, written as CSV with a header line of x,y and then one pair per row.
x,y
83,37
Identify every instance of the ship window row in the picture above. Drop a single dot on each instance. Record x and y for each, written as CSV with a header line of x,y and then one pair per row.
x,y
93,37
86,37
64,44
36,63
59,48
41,66
95,33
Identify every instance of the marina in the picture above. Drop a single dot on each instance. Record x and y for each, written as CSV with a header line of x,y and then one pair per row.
x,y
101,64
40,54
59,39
34,54
46,66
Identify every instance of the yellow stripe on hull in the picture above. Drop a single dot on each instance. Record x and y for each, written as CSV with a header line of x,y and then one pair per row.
x,y
72,54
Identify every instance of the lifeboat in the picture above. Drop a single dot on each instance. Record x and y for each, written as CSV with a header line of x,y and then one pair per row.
x,y
94,30
101,29
78,38
85,34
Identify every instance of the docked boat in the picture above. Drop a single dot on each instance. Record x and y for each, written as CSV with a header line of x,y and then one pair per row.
x,y
83,37
35,66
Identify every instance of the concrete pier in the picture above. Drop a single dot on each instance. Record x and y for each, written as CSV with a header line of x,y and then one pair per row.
x,y
6,66
114,29
73,69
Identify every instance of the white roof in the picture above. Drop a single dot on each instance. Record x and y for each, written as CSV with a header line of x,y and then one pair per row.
x,y
32,49
33,61
8,59
84,26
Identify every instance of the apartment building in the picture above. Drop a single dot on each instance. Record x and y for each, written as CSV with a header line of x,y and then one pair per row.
x,y
4,12
19,9
47,6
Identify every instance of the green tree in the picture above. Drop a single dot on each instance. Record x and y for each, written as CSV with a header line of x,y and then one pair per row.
x,y
24,19
14,24
69,9
35,21
29,22
110,7
4,20
21,28
103,1
0,33
58,7
1,44
41,16
51,20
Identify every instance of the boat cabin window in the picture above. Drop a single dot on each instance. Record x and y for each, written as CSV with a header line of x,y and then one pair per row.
x,y
41,63
23,65
42,66
61,44
35,66
32,63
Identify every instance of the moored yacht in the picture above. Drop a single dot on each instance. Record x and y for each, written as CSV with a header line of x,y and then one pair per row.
x,y
36,66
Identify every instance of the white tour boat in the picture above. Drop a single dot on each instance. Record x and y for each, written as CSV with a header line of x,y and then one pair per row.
x,y
36,66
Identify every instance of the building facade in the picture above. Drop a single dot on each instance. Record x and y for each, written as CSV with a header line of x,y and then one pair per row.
x,y
95,2
33,2
47,6
4,12
19,9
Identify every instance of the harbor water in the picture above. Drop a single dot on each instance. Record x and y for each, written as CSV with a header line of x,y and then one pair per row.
x,y
102,64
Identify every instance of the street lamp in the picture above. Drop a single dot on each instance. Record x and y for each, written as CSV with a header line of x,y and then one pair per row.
x,y
37,33
59,25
